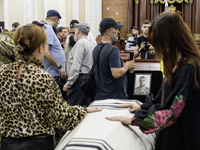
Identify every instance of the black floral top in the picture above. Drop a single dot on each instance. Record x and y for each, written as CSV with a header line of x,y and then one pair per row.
x,y
175,114
34,105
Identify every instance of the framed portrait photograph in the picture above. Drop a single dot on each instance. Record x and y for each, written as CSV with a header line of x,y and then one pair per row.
x,y
142,84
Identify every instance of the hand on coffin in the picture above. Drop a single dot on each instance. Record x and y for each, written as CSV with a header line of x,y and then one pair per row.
x,y
132,106
92,109
124,120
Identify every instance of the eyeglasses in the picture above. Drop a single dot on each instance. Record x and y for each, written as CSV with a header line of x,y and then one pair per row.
x,y
71,32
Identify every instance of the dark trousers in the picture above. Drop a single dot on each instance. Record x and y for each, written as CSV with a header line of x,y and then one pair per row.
x,y
29,143
75,96
61,83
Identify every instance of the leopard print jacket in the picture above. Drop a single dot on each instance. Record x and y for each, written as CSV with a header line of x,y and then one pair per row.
x,y
34,105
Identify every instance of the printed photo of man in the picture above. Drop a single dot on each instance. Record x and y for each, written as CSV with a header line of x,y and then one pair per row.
x,y
142,89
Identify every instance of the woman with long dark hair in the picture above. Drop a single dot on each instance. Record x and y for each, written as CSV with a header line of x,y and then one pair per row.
x,y
174,113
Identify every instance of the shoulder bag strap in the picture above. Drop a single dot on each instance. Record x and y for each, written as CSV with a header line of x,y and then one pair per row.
x,y
97,58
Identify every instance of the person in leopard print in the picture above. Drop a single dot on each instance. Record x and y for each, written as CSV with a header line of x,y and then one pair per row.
x,y
31,105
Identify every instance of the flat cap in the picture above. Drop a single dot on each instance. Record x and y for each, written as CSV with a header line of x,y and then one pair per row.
x,y
83,27
53,13
60,29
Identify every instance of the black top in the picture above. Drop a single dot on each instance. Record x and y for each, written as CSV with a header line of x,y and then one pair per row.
x,y
145,54
107,87
175,114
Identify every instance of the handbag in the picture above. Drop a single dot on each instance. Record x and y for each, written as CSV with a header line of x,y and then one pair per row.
x,y
88,86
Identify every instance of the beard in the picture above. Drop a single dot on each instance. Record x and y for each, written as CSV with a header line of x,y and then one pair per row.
x,y
114,38
72,42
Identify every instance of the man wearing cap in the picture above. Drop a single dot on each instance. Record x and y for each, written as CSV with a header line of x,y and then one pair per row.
x,y
90,37
132,41
110,74
60,34
78,66
54,59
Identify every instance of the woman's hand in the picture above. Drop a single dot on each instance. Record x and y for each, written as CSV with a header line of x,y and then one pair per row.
x,y
124,120
92,109
132,106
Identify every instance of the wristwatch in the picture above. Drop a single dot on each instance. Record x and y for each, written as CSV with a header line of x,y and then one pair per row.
x,y
59,67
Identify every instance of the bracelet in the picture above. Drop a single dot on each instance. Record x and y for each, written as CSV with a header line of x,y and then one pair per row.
x,y
139,51
59,67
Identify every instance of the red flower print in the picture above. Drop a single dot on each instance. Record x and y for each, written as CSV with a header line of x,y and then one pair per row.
x,y
161,117
150,130
178,108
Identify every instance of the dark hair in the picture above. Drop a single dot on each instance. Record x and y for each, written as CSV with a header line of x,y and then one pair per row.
x,y
73,23
15,24
146,22
142,77
28,38
170,37
102,32
52,18
38,23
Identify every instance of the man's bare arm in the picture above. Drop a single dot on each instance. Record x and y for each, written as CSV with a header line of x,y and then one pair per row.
x,y
52,61
119,72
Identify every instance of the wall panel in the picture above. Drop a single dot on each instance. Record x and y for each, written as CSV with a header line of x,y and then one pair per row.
x,y
117,10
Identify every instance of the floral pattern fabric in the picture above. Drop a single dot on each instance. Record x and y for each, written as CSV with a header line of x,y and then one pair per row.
x,y
174,113
161,118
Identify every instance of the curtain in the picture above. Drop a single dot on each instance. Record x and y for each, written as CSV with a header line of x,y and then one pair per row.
x,y
170,1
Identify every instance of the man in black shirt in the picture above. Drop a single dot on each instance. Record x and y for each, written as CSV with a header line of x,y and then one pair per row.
x,y
143,45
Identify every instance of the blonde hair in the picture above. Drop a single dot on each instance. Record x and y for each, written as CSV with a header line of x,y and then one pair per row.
x,y
66,28
28,38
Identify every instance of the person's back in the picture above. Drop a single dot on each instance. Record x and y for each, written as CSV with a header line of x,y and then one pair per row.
x,y
31,102
107,86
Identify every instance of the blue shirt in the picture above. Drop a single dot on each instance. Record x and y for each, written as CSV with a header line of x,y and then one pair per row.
x,y
107,87
56,51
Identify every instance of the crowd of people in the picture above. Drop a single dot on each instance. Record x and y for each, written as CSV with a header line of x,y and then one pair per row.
x,y
43,66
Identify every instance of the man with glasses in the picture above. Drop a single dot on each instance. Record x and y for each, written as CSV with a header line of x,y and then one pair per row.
x,y
143,45
110,73
54,59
